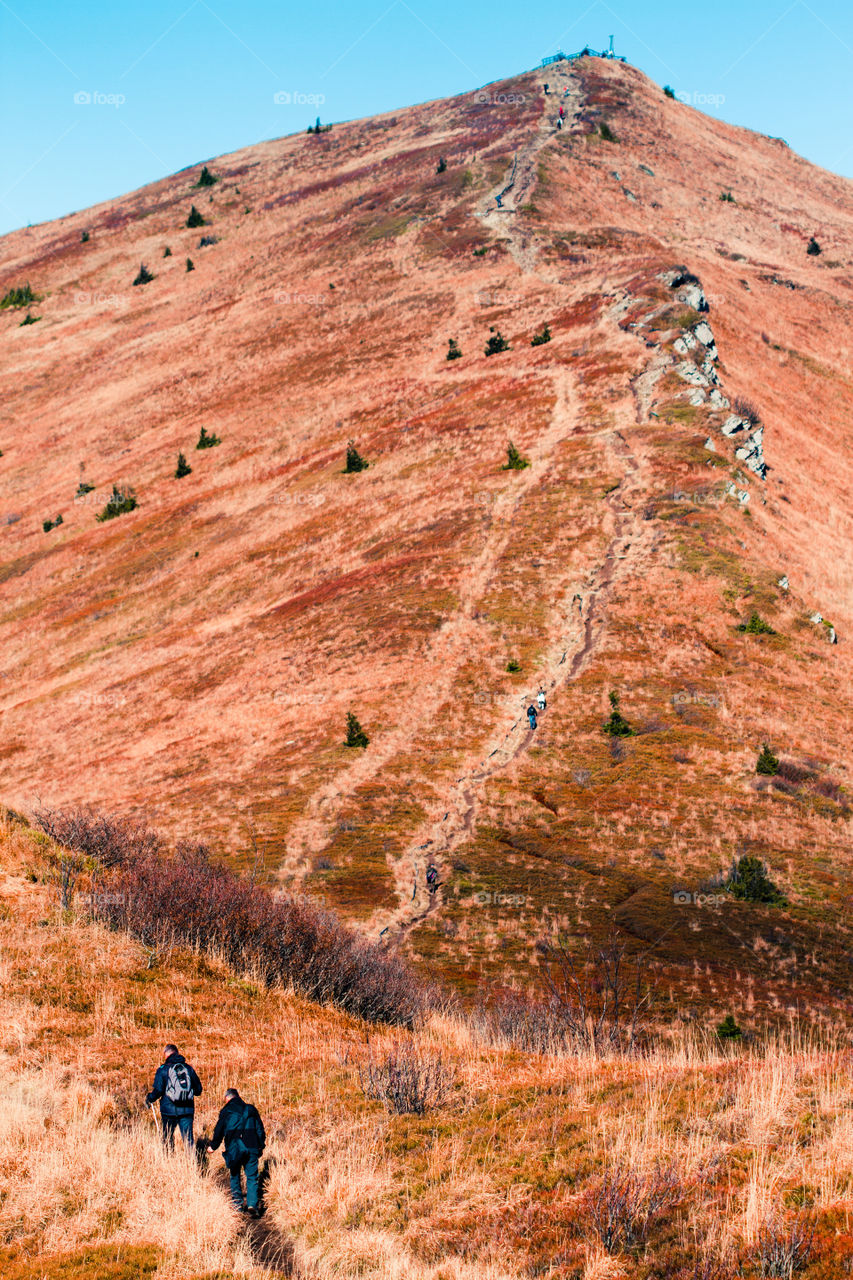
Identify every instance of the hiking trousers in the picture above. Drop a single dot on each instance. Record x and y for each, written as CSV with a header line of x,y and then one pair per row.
x,y
249,1162
184,1125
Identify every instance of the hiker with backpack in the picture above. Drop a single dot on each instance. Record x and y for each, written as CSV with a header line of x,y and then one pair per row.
x,y
531,715
176,1087
241,1128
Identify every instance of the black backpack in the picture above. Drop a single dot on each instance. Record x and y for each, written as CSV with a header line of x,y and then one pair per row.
x,y
179,1085
248,1133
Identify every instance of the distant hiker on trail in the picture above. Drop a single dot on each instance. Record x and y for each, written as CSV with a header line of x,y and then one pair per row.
x,y
545,87
432,878
559,123
176,1087
498,200
540,698
531,715
241,1128
562,111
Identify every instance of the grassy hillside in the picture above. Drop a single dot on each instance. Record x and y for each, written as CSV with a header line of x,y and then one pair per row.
x,y
698,1159
198,654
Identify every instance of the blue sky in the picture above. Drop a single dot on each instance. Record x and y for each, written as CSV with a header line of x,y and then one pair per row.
x,y
99,99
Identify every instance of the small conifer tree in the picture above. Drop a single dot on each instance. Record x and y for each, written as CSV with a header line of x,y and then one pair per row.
x,y
496,343
167,252
767,763
728,1029
453,350
514,460
183,468
543,336
356,737
668,90
814,248
748,881
616,725
194,218
206,178
207,441
442,165
84,238
144,276
355,462
190,265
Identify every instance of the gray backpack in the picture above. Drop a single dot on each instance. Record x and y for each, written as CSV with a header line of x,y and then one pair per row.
x,y
179,1085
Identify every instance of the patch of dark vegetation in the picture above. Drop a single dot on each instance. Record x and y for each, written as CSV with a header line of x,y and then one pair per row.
x,y
748,881
206,178
543,336
195,219
453,350
47,525
207,440
144,276
755,626
514,460
496,343
19,296
184,898
355,462
356,737
120,502
616,725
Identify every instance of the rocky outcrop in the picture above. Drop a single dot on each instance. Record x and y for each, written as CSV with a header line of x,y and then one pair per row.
x,y
693,356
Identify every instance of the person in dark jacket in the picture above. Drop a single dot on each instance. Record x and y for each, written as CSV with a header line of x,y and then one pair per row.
x,y
531,715
241,1128
176,1087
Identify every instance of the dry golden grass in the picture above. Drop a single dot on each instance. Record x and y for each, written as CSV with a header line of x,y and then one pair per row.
x,y
498,1182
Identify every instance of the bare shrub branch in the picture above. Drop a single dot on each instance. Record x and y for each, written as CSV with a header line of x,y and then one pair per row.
x,y
406,1079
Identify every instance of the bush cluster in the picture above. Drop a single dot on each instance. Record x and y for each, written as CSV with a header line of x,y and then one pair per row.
x,y
20,296
120,502
184,898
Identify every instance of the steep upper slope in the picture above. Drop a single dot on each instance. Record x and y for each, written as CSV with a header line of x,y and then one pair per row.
x,y
196,657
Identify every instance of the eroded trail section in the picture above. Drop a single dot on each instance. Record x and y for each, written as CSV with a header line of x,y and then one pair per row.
x,y
630,540
437,840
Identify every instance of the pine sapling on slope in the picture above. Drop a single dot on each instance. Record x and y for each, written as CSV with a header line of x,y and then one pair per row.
x,y
144,276
355,462
616,725
543,336
514,460
206,441
195,219
453,349
767,763
356,737
206,179
496,343
183,468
